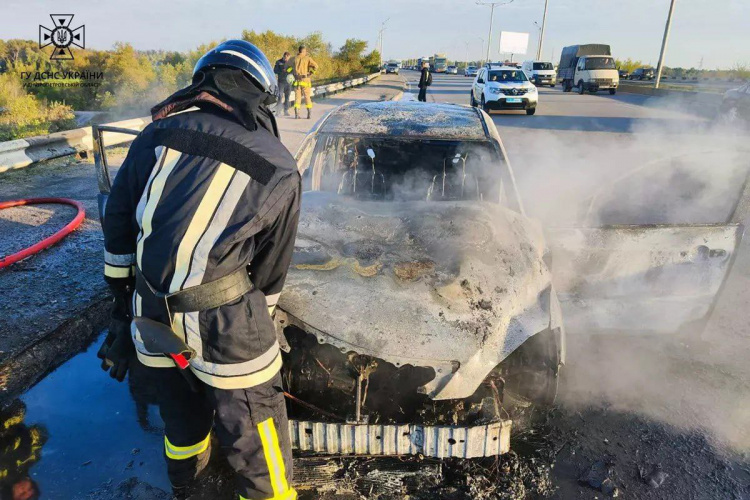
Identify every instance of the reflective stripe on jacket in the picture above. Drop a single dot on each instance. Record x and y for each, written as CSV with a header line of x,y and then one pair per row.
x,y
198,197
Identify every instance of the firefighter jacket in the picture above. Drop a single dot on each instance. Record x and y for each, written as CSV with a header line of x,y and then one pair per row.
x,y
198,198
303,66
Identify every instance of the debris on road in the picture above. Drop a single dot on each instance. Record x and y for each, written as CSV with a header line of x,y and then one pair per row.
x,y
655,477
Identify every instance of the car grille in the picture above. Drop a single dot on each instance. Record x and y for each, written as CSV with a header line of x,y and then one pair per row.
x,y
513,91
602,81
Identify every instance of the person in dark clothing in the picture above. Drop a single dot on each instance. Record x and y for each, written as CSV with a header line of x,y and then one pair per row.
x,y
285,88
199,232
425,80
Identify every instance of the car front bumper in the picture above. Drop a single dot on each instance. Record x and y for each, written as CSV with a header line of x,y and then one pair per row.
x,y
543,80
511,102
401,439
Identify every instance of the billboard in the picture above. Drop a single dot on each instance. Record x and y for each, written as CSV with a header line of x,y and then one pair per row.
x,y
513,43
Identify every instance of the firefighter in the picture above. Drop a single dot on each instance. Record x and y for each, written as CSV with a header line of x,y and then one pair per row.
x,y
199,231
20,449
302,66
285,88
425,80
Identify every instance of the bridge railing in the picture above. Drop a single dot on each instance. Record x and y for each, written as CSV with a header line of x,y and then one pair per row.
x,y
21,153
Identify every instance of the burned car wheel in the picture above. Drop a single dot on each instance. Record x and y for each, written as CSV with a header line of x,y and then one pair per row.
x,y
530,374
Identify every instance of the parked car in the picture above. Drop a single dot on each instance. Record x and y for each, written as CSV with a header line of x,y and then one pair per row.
x,y
623,73
643,74
736,103
503,88
471,71
391,68
451,70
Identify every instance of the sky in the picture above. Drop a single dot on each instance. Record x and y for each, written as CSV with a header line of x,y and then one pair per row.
x,y
714,32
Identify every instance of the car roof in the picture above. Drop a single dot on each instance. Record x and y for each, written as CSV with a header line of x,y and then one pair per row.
x,y
406,119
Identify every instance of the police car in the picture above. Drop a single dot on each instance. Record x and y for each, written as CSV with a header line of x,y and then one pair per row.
x,y
503,88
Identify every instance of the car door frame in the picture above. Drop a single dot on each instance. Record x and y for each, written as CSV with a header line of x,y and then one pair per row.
x,y
590,240
476,87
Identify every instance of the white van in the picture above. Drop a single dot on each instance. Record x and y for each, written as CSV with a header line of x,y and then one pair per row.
x,y
539,72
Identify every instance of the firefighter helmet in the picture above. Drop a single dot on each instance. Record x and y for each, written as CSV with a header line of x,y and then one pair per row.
x,y
245,56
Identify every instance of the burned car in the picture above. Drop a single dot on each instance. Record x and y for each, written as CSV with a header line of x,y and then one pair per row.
x,y
423,305
419,291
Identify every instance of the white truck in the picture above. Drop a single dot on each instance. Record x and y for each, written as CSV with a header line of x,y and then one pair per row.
x,y
539,72
588,67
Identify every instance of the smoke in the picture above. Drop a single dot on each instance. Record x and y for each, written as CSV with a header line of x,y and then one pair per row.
x,y
675,169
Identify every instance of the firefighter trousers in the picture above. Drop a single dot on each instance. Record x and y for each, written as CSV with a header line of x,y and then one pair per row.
x,y
251,428
302,88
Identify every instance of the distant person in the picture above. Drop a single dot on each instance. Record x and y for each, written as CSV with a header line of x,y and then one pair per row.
x,y
285,86
424,81
302,66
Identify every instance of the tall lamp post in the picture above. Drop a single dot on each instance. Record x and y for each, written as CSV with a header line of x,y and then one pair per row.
x,y
664,41
380,41
492,15
539,41
541,32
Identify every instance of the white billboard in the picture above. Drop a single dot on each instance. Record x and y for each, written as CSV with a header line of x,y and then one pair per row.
x,y
513,43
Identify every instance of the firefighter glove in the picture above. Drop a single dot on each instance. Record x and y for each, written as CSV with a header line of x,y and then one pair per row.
x,y
118,350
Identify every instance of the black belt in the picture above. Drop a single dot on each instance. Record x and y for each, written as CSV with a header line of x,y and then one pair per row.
x,y
200,297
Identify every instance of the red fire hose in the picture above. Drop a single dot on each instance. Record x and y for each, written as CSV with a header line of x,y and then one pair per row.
x,y
46,242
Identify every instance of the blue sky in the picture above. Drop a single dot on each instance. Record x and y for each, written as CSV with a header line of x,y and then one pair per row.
x,y
717,31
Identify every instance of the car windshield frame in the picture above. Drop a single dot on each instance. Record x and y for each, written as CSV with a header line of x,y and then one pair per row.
x,y
313,153
545,66
597,62
517,76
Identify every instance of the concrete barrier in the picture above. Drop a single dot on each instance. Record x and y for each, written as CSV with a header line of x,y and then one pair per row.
x,y
21,153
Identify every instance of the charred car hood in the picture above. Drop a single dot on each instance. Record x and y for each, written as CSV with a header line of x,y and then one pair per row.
x,y
456,286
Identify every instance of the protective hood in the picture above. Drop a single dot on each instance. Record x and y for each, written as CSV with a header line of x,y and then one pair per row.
x,y
227,90
456,286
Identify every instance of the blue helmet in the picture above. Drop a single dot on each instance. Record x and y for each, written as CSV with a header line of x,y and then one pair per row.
x,y
241,55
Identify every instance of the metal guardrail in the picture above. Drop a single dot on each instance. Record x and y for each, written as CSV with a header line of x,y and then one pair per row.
x,y
21,153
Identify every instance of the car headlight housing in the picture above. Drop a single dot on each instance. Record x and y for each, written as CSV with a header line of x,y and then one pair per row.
x,y
532,90
494,90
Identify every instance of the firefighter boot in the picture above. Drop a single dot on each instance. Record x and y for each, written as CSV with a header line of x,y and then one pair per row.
x,y
296,113
309,113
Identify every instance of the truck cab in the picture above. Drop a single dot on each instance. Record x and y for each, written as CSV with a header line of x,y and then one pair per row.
x,y
594,73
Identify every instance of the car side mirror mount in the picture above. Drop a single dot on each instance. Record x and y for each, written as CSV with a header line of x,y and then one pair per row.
x,y
480,81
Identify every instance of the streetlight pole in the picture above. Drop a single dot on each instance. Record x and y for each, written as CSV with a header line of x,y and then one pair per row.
x,y
541,34
664,44
380,41
492,15
538,41
466,57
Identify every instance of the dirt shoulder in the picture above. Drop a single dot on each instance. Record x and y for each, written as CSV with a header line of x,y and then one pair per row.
x,y
55,302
